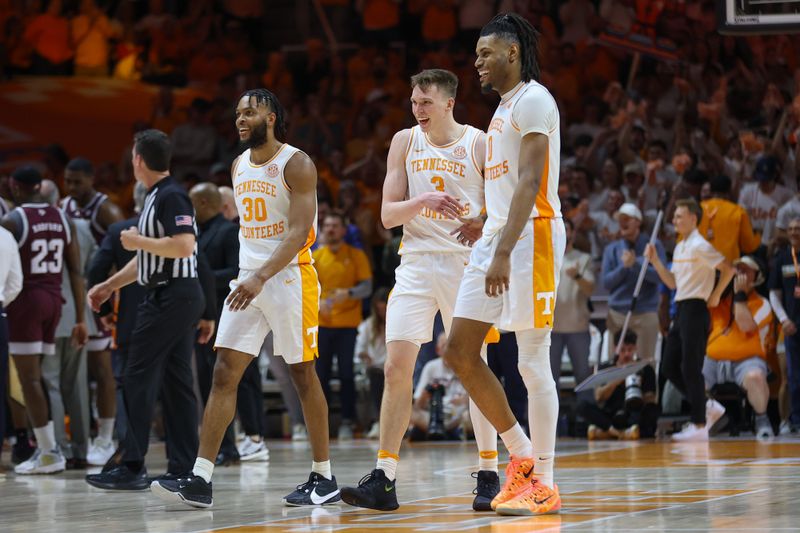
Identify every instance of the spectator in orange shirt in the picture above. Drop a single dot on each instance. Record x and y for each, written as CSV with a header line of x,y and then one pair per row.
x,y
439,23
726,225
49,36
345,278
380,20
737,345
91,32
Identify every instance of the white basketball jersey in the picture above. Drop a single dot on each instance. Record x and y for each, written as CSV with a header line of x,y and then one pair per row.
x,y
527,108
262,199
452,169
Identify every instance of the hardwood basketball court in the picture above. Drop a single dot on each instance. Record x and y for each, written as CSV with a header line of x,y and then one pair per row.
x,y
730,485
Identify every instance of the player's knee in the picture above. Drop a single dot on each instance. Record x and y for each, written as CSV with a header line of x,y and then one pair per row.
x,y
535,370
397,370
225,378
303,376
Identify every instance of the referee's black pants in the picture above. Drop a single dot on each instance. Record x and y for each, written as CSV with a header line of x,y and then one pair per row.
x,y
160,360
684,353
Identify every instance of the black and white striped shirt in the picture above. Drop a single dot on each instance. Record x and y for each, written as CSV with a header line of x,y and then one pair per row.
x,y
167,211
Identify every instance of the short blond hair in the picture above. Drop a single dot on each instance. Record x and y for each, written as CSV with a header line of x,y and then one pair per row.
x,y
446,81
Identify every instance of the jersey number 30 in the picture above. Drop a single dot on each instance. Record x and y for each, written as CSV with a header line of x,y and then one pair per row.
x,y
49,256
254,209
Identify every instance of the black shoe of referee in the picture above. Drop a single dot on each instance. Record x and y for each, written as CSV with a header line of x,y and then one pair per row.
x,y
374,491
191,490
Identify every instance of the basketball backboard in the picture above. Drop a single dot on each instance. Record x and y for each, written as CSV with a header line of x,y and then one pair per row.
x,y
758,16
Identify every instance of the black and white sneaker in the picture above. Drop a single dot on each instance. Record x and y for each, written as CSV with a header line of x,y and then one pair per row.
x,y
488,487
374,491
191,490
318,490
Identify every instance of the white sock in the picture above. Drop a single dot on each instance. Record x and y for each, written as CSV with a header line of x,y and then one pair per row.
x,y
203,468
105,429
534,367
517,443
388,463
323,468
485,434
45,437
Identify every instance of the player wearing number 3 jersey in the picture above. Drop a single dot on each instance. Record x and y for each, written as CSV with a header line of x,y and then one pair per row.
x,y
274,186
46,244
434,188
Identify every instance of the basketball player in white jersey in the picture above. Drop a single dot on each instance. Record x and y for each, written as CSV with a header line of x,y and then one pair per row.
x,y
275,190
512,276
434,189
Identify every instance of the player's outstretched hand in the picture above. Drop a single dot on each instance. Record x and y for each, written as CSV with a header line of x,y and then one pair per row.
x,y
497,277
442,203
244,293
469,231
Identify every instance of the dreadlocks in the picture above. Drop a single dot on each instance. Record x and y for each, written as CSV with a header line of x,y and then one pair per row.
x,y
514,28
265,97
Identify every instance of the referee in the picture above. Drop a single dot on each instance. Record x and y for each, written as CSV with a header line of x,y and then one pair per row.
x,y
159,360
694,262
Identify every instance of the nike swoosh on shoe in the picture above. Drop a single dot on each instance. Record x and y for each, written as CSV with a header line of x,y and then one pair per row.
x,y
316,499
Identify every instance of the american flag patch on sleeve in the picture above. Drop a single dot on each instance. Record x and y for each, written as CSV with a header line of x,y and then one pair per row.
x,y
183,220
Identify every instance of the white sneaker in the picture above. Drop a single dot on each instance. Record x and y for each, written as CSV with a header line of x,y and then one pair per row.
x,y
299,433
250,450
714,411
345,432
42,463
787,428
691,433
374,431
100,452
764,429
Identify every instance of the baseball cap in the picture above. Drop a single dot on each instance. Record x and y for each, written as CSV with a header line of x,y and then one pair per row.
x,y
635,168
753,263
630,210
27,174
766,168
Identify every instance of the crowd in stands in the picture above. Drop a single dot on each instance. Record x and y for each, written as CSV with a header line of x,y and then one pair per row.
x,y
719,122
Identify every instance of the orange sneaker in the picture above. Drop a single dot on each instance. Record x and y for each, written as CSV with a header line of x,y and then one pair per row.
x,y
538,499
519,474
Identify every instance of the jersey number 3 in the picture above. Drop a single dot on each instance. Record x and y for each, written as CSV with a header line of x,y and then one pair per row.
x,y
48,258
438,183
254,209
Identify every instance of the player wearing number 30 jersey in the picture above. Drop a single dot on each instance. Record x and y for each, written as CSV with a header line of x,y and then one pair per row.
x,y
275,187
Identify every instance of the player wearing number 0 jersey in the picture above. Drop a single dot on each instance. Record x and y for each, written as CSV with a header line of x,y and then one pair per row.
x,y
47,244
512,277
434,188
274,185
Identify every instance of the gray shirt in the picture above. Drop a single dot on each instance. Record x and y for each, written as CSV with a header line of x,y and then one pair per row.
x,y
87,246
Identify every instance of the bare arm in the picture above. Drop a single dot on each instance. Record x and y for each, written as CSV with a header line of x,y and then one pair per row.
x,y
109,213
396,210
667,277
743,317
72,256
173,247
726,272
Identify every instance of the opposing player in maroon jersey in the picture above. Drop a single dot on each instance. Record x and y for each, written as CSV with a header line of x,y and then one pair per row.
x,y
83,201
47,242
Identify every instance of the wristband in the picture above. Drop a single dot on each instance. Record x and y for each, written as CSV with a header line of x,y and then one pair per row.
x,y
740,297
